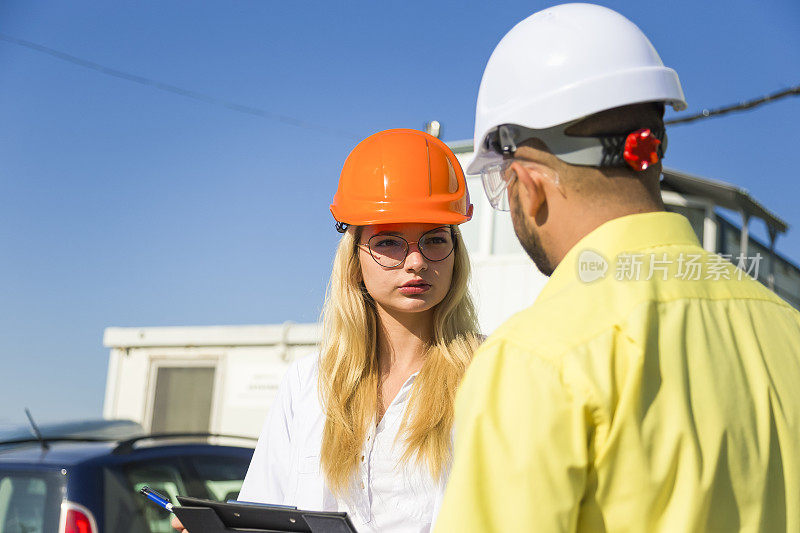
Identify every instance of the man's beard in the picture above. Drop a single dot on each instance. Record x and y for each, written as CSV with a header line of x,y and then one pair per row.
x,y
527,237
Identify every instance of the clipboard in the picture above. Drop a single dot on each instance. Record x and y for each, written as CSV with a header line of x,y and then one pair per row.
x,y
208,516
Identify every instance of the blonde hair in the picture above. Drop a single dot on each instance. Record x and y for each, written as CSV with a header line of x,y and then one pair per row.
x,y
348,368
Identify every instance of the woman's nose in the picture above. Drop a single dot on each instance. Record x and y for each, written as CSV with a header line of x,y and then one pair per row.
x,y
415,261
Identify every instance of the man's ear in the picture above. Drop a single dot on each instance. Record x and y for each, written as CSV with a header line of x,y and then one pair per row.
x,y
530,188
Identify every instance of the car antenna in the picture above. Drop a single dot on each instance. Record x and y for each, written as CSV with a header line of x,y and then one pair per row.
x,y
36,431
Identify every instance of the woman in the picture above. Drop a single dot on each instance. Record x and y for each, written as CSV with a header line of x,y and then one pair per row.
x,y
365,425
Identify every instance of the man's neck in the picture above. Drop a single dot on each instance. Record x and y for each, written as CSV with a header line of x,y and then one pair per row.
x,y
571,233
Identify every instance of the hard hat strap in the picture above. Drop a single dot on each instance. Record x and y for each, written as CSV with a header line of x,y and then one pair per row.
x,y
638,149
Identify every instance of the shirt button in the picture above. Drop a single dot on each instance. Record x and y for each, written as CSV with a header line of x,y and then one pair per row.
x,y
362,458
362,485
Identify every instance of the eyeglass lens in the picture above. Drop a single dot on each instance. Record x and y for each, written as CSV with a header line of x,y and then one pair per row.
x,y
391,250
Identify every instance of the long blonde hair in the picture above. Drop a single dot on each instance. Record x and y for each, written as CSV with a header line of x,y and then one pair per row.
x,y
348,368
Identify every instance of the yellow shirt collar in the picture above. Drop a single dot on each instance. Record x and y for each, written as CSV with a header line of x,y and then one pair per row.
x,y
626,234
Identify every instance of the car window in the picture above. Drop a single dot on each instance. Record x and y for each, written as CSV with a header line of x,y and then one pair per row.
x,y
200,476
164,477
221,477
125,510
29,502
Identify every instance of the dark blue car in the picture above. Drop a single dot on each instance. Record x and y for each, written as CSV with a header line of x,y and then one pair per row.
x,y
88,482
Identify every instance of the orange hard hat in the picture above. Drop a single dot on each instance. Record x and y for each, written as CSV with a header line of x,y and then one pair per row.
x,y
401,175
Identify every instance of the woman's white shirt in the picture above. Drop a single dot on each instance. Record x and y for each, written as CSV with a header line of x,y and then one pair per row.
x,y
387,495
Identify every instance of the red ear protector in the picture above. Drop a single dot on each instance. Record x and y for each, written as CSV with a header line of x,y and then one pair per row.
x,y
638,149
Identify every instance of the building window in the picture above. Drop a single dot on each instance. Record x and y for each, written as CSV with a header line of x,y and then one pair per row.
x,y
183,399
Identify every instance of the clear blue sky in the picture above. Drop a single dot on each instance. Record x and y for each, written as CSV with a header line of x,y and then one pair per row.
x,y
125,205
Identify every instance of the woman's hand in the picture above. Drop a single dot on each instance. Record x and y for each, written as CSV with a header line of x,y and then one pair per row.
x,y
177,525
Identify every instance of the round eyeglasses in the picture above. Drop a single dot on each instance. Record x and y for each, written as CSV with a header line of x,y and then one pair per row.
x,y
390,250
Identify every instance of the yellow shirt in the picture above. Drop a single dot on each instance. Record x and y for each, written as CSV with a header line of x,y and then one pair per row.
x,y
621,403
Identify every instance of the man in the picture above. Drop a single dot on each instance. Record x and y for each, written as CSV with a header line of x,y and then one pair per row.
x,y
652,386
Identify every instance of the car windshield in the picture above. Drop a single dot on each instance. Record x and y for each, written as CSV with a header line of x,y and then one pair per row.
x,y
201,476
30,501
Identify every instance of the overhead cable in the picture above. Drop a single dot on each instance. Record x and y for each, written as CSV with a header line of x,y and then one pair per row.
x,y
174,89
742,106
299,123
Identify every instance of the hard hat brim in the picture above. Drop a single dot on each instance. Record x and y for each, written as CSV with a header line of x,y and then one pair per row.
x,y
401,216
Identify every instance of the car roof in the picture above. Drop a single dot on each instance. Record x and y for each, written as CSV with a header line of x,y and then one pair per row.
x,y
70,452
57,454
94,429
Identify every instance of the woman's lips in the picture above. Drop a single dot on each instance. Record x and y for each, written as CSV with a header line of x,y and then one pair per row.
x,y
414,287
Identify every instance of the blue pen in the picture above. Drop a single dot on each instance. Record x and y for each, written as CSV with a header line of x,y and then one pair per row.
x,y
157,498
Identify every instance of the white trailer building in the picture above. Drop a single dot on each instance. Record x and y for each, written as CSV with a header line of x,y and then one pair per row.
x,y
222,379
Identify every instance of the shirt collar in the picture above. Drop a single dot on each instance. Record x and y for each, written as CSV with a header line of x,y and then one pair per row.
x,y
621,235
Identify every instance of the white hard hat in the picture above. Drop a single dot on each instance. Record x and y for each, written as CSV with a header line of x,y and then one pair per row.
x,y
565,63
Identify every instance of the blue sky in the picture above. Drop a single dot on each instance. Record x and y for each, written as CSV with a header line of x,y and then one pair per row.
x,y
125,205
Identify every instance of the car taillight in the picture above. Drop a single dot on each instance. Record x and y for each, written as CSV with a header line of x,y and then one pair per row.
x,y
77,522
76,518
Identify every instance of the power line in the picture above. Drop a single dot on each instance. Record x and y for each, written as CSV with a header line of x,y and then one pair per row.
x,y
742,106
299,123
174,89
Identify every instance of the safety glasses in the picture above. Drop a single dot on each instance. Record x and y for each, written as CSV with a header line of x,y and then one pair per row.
x,y
495,179
497,176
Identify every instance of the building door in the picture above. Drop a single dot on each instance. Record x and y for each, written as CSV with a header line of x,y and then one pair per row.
x,y
183,399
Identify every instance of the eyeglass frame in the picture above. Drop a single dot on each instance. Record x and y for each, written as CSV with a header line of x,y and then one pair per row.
x,y
409,243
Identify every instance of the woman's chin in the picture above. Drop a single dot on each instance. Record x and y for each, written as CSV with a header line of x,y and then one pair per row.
x,y
413,304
